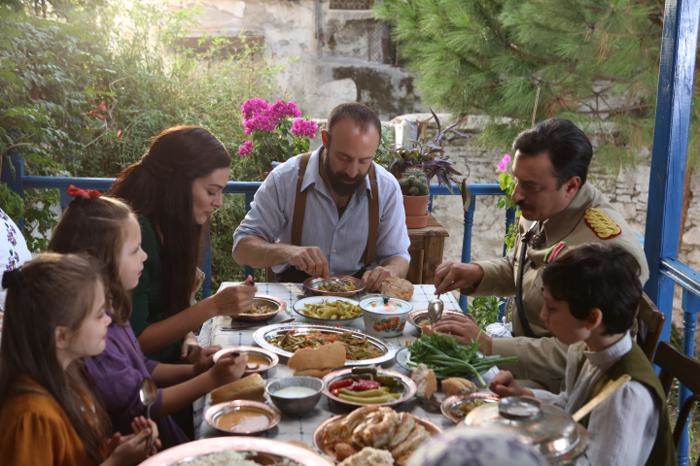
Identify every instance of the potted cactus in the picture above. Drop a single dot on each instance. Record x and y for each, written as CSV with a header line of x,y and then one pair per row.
x,y
414,186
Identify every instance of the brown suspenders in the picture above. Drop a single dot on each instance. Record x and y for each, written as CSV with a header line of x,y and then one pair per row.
x,y
373,211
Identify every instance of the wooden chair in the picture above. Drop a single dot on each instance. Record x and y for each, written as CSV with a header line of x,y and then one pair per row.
x,y
675,365
650,322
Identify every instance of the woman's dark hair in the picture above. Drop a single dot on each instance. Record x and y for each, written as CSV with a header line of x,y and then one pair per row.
x,y
597,276
49,291
358,112
96,226
159,187
568,148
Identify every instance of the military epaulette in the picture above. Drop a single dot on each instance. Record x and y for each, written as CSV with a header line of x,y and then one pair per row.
x,y
554,252
602,225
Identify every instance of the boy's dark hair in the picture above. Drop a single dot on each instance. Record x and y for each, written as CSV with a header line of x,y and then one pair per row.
x,y
568,148
358,112
597,276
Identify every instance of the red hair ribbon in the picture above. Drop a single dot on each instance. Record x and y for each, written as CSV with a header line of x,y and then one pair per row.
x,y
74,191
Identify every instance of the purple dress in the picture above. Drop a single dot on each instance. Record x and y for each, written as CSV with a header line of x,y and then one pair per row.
x,y
118,373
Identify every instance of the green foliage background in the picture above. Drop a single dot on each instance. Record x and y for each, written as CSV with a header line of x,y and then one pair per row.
x,y
593,61
84,88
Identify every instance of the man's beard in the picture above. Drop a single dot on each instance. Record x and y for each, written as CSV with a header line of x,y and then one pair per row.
x,y
339,182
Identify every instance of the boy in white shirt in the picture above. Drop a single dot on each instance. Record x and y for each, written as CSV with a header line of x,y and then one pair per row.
x,y
591,295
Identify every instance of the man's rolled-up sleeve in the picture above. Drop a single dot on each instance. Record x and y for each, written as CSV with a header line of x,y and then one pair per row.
x,y
266,217
392,235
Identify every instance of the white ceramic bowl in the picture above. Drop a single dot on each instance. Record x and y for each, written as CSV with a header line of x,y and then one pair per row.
x,y
385,316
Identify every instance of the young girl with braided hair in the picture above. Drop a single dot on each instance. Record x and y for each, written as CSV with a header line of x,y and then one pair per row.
x,y
107,229
55,316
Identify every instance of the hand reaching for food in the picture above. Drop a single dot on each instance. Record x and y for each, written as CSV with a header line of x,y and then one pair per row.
x,y
503,384
202,358
234,299
309,259
228,368
373,278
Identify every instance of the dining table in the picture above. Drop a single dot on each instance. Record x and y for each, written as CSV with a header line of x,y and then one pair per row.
x,y
225,332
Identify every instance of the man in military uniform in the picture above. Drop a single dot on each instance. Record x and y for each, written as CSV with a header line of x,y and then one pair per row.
x,y
559,210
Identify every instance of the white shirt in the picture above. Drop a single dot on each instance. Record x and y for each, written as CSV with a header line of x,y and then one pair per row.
x,y
342,239
13,251
623,427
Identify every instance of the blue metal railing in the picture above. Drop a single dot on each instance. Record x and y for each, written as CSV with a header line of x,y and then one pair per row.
x,y
18,181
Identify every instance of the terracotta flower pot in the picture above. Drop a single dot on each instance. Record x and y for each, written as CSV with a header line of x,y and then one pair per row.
x,y
416,211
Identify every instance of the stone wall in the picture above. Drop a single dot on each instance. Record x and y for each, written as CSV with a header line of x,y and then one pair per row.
x,y
326,56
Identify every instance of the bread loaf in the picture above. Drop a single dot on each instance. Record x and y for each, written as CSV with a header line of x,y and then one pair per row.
x,y
458,386
320,359
367,456
251,387
397,288
425,381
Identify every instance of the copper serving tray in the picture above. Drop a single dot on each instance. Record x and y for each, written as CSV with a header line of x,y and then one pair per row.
x,y
319,433
449,404
311,285
216,411
260,337
409,387
272,301
186,453
420,316
271,357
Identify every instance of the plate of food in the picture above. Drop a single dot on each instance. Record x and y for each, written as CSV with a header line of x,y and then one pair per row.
x,y
236,450
456,407
360,349
344,285
363,386
420,318
264,307
328,309
242,417
382,428
259,359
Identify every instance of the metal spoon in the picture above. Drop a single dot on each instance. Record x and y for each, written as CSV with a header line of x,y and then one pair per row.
x,y
148,394
435,308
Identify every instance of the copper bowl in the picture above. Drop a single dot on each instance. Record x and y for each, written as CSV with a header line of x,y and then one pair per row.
x,y
313,285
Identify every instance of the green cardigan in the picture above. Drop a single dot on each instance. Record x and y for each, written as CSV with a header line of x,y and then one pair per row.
x,y
147,298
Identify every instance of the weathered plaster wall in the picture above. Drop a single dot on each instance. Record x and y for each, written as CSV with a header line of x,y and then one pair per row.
x,y
627,191
326,56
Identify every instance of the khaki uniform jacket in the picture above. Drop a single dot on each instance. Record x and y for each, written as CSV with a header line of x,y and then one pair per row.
x,y
588,219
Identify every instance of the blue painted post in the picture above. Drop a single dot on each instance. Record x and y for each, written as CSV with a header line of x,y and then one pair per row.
x,y
691,306
467,243
668,164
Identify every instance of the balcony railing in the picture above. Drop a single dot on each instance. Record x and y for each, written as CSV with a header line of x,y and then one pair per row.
x,y
19,182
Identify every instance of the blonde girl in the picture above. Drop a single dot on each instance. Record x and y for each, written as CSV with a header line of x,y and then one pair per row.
x,y
107,229
54,316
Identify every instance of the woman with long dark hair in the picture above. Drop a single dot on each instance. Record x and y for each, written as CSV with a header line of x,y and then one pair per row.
x,y
174,188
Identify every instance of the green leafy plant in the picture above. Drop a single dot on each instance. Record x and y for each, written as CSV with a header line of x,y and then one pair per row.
x,y
84,92
507,183
484,310
426,154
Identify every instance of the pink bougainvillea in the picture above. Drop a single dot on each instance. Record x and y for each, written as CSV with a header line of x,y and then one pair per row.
x,y
503,164
245,149
302,127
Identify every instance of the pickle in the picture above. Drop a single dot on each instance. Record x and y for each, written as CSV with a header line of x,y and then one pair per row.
x,y
388,381
371,400
365,393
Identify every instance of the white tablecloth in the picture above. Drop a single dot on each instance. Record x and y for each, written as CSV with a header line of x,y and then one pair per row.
x,y
217,332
